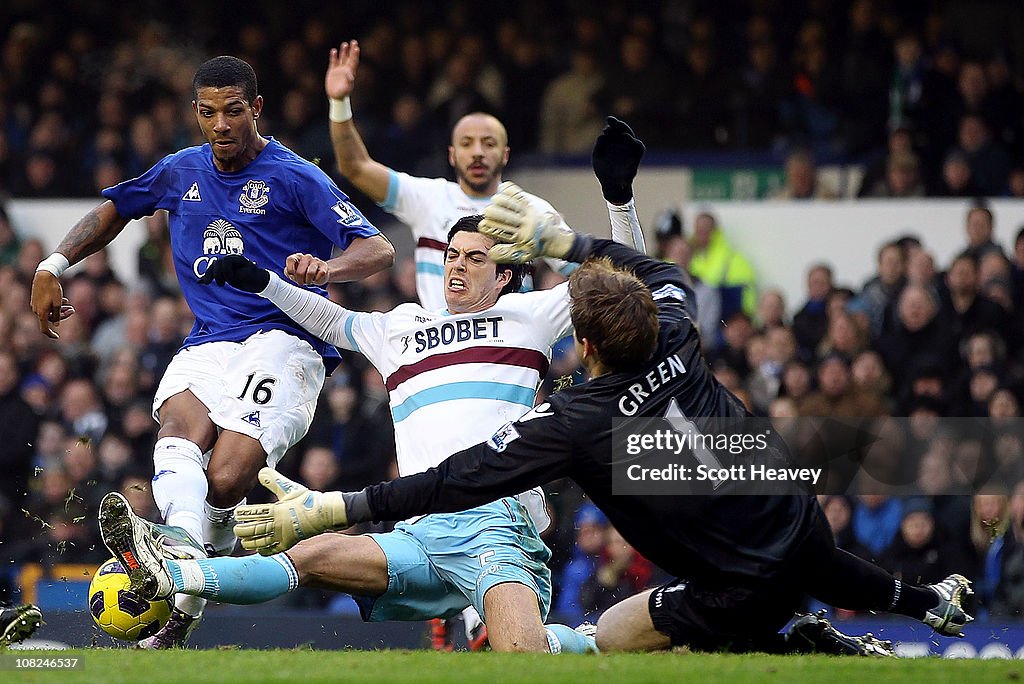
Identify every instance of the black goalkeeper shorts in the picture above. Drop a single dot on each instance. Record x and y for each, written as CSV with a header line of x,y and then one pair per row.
x,y
722,618
740,615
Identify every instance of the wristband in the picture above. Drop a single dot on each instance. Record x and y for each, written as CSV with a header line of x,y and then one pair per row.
x,y
339,111
56,264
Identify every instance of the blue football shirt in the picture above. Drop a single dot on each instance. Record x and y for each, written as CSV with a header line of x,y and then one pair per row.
x,y
279,204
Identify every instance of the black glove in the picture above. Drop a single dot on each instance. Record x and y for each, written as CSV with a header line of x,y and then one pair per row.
x,y
235,269
616,158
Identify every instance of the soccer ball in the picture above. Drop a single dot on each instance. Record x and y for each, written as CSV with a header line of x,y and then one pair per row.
x,y
119,612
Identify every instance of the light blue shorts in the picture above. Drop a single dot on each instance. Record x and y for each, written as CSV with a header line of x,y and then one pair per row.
x,y
442,563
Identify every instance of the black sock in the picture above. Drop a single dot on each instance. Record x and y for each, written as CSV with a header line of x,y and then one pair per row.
x,y
912,601
853,583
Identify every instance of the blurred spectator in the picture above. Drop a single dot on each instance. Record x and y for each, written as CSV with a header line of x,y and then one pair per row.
x,y
635,89
870,375
82,411
720,265
164,338
114,460
155,261
455,94
965,310
526,67
1015,182
990,518
620,573
55,529
979,226
919,554
766,377
908,90
801,179
903,178
989,161
771,309
812,110
409,140
880,291
839,513
811,322
922,95
318,469
900,141
758,89
845,336
569,119
797,381
876,521
1007,597
701,105
737,331
837,395
18,427
957,177
917,337
591,536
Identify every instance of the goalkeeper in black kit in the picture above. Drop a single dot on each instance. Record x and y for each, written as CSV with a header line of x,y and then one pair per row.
x,y
743,562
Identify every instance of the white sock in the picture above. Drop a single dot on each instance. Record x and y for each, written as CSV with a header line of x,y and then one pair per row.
x,y
179,484
219,528
179,489
471,619
190,605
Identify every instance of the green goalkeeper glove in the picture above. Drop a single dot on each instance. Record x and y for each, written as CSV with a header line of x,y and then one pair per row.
x,y
522,232
298,514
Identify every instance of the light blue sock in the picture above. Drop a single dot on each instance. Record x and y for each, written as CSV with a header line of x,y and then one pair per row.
x,y
252,579
563,639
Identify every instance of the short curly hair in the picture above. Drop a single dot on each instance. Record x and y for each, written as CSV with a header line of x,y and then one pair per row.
x,y
225,71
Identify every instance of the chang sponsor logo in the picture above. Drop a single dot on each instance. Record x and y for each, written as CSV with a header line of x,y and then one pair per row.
x,y
219,238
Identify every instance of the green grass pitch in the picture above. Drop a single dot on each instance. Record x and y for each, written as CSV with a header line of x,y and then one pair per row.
x,y
297,666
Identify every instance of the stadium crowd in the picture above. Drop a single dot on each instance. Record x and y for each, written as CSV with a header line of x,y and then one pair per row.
x,y
927,100
926,94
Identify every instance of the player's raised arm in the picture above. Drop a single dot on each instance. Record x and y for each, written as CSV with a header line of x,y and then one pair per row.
x,y
91,234
616,159
320,316
354,162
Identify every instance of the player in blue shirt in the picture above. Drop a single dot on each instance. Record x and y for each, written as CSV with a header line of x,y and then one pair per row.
x,y
243,387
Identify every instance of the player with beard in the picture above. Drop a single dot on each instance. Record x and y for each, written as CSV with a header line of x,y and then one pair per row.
x,y
478,153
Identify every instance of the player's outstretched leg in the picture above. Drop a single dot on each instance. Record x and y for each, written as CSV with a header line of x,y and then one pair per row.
x,y
131,540
948,617
18,623
134,541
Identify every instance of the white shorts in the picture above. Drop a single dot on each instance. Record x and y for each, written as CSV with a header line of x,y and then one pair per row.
x,y
265,387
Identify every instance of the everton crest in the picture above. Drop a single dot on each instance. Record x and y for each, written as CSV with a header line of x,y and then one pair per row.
x,y
254,197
